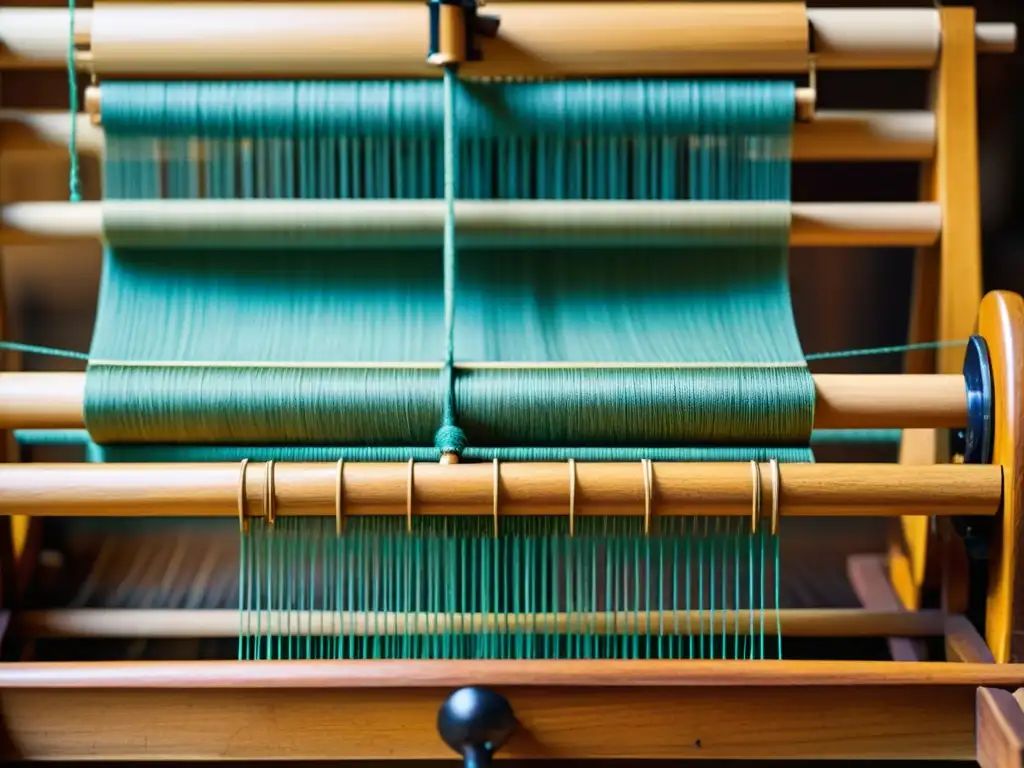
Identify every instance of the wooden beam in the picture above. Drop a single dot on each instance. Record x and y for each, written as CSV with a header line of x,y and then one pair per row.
x,y
964,644
585,710
869,579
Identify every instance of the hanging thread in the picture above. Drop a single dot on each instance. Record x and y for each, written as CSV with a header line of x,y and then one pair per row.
x,y
449,439
74,191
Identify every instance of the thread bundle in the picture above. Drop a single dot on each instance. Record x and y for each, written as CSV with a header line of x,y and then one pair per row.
x,y
721,311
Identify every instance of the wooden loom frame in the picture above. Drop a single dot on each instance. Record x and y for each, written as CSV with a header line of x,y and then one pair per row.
x,y
648,709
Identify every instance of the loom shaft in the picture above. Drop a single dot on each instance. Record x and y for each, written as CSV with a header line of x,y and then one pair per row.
x,y
810,622
55,401
387,39
480,223
505,489
833,135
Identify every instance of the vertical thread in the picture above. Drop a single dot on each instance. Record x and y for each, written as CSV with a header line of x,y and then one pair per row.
x,y
74,193
449,438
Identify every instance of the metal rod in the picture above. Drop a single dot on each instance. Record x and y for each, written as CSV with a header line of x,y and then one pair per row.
x,y
523,489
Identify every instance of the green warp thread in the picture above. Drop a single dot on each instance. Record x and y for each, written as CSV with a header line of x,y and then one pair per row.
x,y
660,596
725,307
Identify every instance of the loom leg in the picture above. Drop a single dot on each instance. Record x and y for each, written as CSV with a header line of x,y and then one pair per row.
x,y
868,576
999,728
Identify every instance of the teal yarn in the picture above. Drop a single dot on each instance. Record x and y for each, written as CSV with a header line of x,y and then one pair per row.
x,y
702,339
659,595
449,438
414,110
895,349
35,349
162,453
856,436
41,437
74,186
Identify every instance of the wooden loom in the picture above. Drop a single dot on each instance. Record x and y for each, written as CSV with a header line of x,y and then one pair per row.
x,y
960,708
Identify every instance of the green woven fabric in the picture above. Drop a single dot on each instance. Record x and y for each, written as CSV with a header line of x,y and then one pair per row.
x,y
309,345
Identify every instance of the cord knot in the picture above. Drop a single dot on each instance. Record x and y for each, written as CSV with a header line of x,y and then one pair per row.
x,y
450,439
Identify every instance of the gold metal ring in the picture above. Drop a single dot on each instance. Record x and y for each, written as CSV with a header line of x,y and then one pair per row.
x,y
339,507
269,502
243,521
776,495
755,519
497,487
572,497
409,496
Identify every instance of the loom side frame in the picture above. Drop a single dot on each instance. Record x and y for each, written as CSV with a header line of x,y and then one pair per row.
x,y
947,286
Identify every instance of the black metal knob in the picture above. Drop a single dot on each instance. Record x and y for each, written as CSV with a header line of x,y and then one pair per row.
x,y
476,722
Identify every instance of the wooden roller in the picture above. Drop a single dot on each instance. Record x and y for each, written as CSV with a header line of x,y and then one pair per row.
x,y
504,489
55,400
833,135
157,623
389,39
360,223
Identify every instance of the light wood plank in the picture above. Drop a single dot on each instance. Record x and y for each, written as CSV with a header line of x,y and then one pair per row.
x,y
1000,729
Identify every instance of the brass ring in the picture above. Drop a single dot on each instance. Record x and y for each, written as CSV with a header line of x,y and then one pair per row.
x,y
497,486
409,496
572,497
755,520
776,494
339,511
269,502
645,467
243,521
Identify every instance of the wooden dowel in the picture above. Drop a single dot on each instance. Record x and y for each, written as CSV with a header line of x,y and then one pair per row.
x,y
995,37
37,129
813,622
833,135
865,135
523,673
360,223
42,401
525,489
893,38
387,39
883,401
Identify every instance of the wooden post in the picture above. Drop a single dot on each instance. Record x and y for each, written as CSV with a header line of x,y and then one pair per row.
x,y
999,728
947,277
